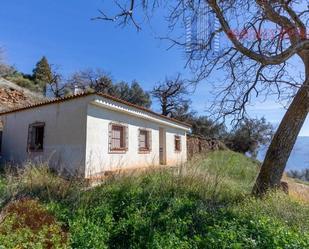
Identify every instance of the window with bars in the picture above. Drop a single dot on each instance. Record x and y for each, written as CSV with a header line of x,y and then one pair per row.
x,y
36,137
144,140
177,143
118,141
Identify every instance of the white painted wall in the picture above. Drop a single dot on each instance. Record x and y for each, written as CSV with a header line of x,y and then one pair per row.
x,y
64,135
98,157
76,136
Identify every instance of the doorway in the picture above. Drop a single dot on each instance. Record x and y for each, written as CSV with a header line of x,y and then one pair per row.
x,y
162,146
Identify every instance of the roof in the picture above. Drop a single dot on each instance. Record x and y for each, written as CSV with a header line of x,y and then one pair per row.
x,y
70,97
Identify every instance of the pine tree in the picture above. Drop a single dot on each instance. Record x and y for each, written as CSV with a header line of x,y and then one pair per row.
x,y
42,73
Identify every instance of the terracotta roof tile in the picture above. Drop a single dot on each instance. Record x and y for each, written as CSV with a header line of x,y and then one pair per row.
x,y
70,97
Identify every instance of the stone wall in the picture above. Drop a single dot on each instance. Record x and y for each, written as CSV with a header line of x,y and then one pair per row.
x,y
197,144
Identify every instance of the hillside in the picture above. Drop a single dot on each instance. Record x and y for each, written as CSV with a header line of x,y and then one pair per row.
x,y
204,204
13,96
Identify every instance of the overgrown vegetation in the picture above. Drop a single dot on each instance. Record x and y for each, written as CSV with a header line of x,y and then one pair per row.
x,y
204,204
28,225
35,82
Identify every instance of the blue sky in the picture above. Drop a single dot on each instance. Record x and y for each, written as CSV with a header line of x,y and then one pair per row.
x,y
63,31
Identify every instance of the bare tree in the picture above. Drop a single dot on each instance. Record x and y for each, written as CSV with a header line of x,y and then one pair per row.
x,y
99,81
5,70
92,79
262,37
57,85
171,96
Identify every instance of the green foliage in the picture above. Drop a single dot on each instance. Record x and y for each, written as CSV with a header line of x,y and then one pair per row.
x,y
249,135
133,94
22,81
27,225
98,81
204,204
206,127
42,73
236,173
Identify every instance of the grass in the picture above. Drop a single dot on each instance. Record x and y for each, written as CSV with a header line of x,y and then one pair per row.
x,y
204,204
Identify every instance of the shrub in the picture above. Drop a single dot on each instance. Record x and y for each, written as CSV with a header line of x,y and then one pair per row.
x,y
24,82
161,210
39,181
28,225
205,204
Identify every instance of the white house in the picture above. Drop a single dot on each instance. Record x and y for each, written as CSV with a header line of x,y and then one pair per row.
x,y
89,134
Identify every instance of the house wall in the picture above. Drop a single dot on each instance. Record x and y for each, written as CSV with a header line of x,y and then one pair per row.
x,y
76,137
64,135
98,157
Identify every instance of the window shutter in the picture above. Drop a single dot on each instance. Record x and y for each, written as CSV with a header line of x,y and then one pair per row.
x,y
150,140
126,131
110,136
180,148
175,143
139,138
30,138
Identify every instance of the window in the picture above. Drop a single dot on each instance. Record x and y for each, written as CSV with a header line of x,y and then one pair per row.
x,y
117,138
177,143
36,137
144,140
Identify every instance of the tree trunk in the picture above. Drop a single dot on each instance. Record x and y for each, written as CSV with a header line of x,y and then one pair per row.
x,y
164,106
284,139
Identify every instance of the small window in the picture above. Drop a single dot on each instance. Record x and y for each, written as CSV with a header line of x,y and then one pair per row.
x,y
144,140
177,143
36,137
118,138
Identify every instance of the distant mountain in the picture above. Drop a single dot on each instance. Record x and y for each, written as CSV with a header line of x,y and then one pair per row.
x,y
299,158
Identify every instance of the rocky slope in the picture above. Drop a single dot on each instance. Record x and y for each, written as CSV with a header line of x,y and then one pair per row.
x,y
13,96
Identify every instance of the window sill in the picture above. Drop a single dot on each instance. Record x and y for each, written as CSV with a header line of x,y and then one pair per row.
x,y
144,151
118,151
35,151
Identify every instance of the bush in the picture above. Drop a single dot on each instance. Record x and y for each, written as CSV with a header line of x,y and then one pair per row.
x,y
24,82
161,211
205,204
28,225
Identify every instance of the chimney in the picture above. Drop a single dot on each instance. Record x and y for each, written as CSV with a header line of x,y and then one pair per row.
x,y
77,90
